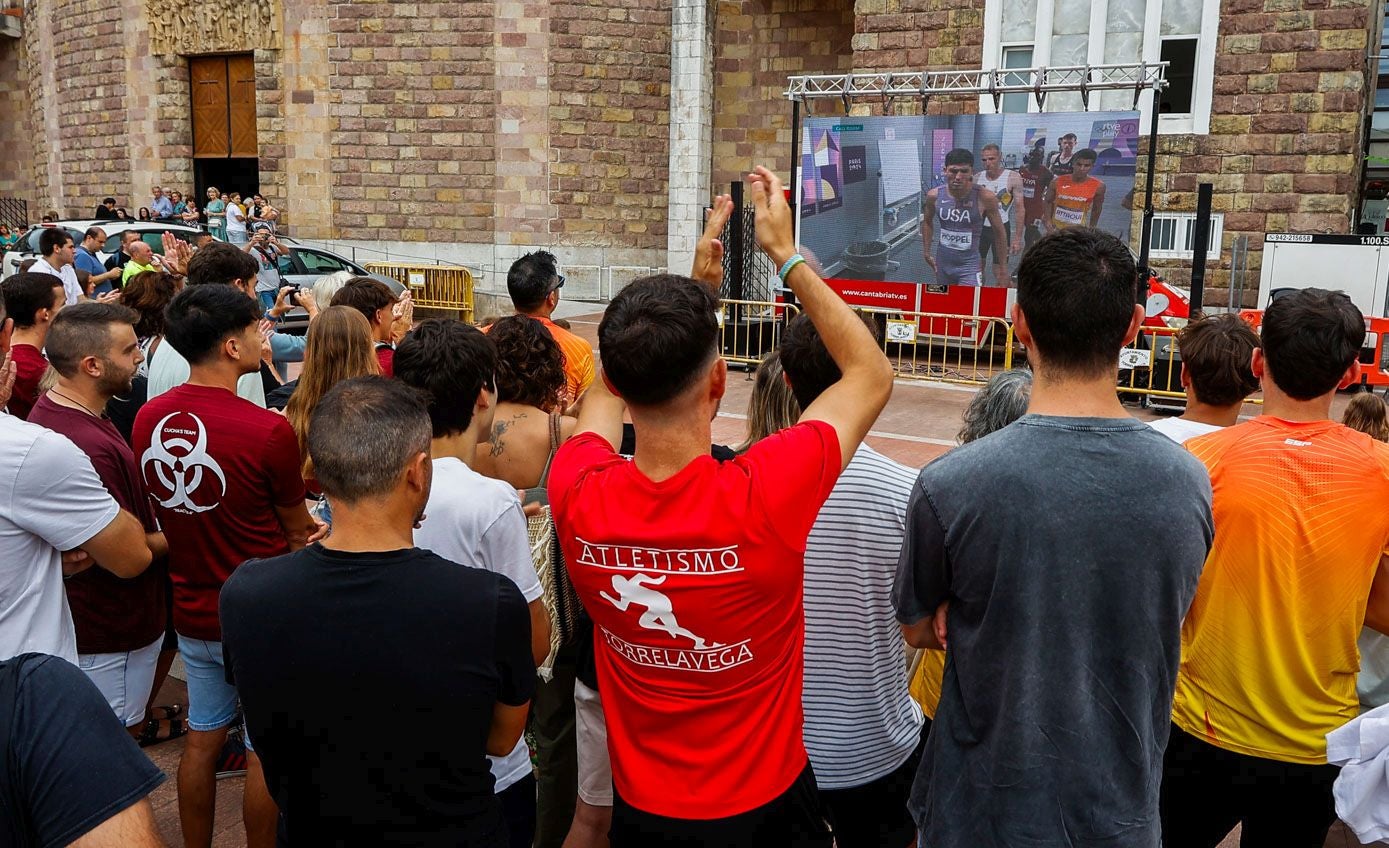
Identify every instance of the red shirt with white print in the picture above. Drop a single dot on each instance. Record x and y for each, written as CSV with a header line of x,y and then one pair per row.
x,y
694,585
216,467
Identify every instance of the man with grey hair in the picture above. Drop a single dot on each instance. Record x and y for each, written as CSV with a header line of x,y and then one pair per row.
x,y
324,642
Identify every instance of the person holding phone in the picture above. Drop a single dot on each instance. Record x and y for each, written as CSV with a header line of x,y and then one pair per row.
x,y
266,249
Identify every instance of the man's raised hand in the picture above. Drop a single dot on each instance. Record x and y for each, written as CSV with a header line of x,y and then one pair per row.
x,y
708,258
775,233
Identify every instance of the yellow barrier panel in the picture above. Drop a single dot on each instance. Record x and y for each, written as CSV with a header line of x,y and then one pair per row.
x,y
1148,366
751,329
964,349
433,286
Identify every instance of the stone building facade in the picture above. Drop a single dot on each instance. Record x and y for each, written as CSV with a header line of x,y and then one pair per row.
x,y
474,131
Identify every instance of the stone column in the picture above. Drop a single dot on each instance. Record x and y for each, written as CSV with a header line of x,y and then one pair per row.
x,y
308,122
523,205
691,127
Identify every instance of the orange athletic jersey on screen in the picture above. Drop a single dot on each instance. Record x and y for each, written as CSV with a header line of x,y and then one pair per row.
x,y
1269,655
1074,201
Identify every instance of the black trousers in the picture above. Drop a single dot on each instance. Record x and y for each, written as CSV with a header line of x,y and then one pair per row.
x,y
1207,790
875,815
792,820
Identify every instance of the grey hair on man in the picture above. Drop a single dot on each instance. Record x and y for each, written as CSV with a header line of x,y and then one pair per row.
x,y
363,435
1002,401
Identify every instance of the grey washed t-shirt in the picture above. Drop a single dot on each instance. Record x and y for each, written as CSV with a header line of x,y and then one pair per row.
x,y
1069,549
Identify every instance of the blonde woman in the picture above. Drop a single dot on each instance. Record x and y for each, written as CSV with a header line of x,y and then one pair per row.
x,y
216,214
339,346
772,407
1368,414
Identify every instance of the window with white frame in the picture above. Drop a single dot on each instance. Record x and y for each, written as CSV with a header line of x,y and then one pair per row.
x,y
1060,33
1174,236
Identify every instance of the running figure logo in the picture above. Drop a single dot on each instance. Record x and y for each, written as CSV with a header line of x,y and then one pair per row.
x,y
182,473
659,615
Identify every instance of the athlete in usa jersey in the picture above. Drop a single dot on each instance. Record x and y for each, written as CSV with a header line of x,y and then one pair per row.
x,y
960,211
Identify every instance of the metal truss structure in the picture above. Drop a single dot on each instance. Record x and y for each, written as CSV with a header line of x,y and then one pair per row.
x,y
1039,82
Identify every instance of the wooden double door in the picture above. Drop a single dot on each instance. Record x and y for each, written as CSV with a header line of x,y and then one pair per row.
x,y
224,106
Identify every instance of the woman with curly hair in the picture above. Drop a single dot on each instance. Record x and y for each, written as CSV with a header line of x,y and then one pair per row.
x,y
149,293
530,380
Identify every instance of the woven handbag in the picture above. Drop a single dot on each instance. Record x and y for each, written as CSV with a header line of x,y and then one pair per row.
x,y
561,601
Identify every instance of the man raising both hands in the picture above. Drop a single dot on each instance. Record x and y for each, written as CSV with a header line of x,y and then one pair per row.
x,y
692,569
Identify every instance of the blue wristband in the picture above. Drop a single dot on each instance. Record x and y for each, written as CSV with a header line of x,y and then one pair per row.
x,y
796,259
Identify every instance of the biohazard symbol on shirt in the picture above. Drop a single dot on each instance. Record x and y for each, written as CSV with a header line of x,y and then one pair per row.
x,y
182,465
659,614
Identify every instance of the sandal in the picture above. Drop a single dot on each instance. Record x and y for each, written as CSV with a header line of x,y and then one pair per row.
x,y
172,711
149,734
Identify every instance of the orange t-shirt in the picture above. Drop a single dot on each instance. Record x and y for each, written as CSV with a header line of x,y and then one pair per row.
x,y
578,360
1269,657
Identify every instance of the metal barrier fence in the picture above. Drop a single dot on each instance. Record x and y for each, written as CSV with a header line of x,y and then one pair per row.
x,y
751,329
964,349
433,286
1149,366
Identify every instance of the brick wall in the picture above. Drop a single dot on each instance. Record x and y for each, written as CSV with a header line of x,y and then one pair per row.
x,y
757,45
413,149
901,34
90,98
16,178
1284,147
610,121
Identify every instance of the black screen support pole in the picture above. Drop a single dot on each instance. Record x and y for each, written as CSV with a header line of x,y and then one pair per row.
x,y
1143,246
796,180
1198,248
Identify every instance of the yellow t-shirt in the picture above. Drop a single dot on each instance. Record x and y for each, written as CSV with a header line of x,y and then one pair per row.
x,y
926,681
1269,655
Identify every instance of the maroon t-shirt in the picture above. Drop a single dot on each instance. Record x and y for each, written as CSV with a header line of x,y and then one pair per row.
x,y
111,614
29,366
385,355
216,467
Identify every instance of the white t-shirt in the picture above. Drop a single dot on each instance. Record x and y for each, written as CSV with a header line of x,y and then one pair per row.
x,y
861,723
477,521
67,274
1180,429
168,369
51,500
233,213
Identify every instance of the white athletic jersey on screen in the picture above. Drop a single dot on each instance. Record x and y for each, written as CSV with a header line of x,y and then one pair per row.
x,y
999,186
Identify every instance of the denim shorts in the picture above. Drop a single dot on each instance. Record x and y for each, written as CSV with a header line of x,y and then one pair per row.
x,y
211,699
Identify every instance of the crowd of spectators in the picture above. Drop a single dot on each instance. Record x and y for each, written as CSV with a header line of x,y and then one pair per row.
x,y
477,587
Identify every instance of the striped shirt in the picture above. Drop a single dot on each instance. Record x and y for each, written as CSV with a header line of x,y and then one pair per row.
x,y
860,721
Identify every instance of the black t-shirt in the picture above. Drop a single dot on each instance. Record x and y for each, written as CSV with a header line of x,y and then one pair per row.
x,y
279,398
368,682
117,260
68,764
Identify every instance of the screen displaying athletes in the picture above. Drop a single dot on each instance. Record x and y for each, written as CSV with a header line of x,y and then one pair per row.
x,y
955,199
